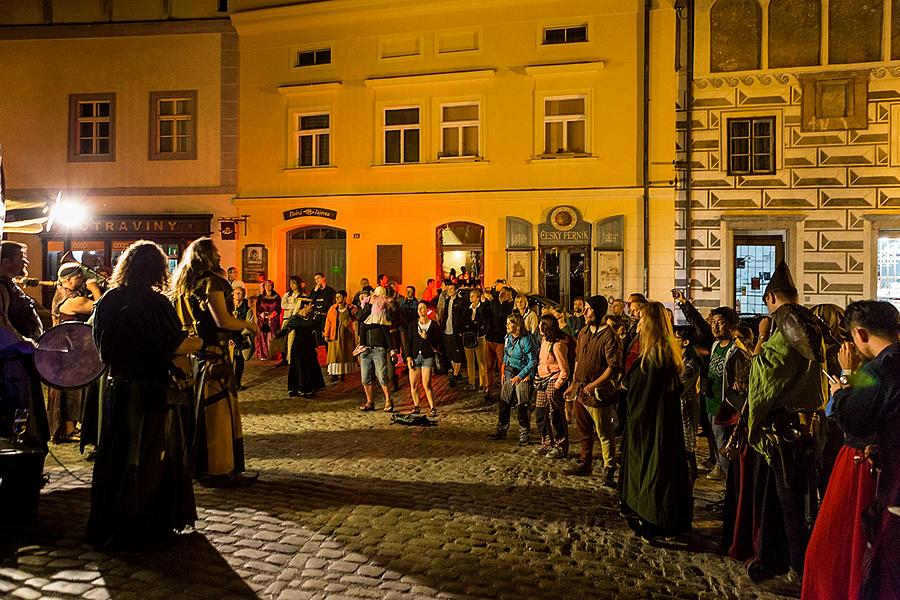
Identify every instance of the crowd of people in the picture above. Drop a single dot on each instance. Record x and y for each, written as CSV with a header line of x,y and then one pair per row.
x,y
800,409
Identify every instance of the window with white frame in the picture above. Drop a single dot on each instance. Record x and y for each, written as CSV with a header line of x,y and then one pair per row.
x,y
92,127
173,128
312,58
565,125
459,130
565,35
313,140
401,135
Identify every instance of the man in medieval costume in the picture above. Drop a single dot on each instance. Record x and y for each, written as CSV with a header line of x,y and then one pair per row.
x,y
787,395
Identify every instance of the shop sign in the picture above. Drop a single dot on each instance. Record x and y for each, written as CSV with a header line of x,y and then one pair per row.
x,y
310,211
254,263
564,227
146,225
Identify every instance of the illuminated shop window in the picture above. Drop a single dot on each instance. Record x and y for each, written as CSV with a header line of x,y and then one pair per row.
x,y
565,125
459,130
401,135
460,244
173,126
313,140
755,259
92,127
889,267
751,146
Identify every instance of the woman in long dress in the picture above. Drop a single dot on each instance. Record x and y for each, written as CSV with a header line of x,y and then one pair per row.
x,y
655,480
289,304
268,317
141,491
200,296
304,374
340,333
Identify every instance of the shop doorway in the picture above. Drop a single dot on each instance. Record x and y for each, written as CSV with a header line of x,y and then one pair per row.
x,y
564,273
312,250
889,267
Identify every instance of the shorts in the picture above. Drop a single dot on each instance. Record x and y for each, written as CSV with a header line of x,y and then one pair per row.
x,y
421,362
373,364
453,347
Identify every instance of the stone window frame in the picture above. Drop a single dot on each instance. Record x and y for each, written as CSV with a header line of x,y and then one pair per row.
x,y
772,153
74,155
752,224
778,133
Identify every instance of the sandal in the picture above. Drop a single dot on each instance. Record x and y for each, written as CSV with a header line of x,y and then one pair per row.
x,y
415,410
433,413
389,408
367,407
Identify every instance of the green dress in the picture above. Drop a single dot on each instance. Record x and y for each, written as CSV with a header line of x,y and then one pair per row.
x,y
655,479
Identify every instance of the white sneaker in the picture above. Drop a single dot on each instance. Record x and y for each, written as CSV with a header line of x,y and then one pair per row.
x,y
717,474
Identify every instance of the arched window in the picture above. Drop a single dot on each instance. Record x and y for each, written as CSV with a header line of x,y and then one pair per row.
x,y
795,28
854,31
735,34
460,244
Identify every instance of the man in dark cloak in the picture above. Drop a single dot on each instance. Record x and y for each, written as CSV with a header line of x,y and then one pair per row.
x,y
20,387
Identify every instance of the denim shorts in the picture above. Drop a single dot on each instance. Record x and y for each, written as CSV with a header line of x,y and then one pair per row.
x,y
420,362
374,364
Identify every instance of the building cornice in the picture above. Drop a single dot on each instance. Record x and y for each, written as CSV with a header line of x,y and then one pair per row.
x,y
122,29
565,68
426,78
210,190
317,13
290,89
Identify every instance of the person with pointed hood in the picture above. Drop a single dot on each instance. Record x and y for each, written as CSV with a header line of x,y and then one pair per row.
x,y
786,421
598,366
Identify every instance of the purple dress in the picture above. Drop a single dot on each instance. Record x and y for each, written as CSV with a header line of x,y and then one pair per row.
x,y
270,326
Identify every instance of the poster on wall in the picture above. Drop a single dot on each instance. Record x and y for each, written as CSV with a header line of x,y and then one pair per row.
x,y
254,263
610,274
518,270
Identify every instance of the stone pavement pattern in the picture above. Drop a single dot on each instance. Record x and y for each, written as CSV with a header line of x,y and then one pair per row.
x,y
351,506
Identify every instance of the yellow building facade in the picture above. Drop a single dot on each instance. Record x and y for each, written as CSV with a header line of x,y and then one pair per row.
x,y
414,137
127,109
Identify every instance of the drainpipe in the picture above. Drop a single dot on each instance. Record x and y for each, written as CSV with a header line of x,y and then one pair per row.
x,y
645,170
688,150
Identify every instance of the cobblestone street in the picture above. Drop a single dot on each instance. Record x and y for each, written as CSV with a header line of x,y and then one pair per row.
x,y
349,505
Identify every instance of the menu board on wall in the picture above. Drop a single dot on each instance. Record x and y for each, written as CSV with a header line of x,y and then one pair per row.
x,y
254,263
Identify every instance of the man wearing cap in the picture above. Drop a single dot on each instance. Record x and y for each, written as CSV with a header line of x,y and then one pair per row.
x,y
20,387
598,363
786,398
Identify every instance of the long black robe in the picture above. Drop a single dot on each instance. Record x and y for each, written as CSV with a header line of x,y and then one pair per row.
x,y
304,374
141,490
655,477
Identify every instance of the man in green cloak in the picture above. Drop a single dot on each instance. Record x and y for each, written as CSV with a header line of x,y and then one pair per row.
x,y
788,391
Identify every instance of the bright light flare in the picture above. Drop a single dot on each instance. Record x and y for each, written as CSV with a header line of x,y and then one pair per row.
x,y
69,214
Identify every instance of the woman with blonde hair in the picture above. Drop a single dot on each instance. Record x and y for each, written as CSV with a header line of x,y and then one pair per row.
x,y
655,481
200,295
529,317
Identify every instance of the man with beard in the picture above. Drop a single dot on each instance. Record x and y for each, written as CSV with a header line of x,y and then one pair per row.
x,y
786,398
20,387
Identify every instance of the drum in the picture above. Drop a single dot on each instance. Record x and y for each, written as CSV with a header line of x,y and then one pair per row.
x,y
66,356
